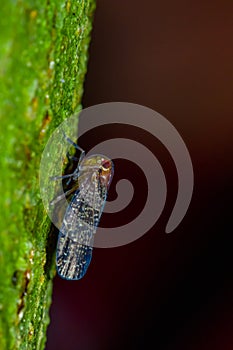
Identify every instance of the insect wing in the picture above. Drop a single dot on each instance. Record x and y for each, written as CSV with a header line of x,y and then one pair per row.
x,y
75,241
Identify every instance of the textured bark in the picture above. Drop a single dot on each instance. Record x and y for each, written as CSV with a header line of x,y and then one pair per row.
x,y
43,57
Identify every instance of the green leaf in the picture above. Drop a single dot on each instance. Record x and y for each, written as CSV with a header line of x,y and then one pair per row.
x,y
43,59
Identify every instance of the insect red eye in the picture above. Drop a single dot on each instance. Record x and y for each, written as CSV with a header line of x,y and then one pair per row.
x,y
106,164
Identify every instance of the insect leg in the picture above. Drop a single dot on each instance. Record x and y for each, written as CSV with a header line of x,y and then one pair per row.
x,y
75,173
74,144
63,195
71,157
60,177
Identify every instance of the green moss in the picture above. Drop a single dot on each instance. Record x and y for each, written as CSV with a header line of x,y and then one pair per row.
x,y
43,58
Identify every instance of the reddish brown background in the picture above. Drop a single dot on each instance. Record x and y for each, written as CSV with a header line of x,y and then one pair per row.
x,y
174,291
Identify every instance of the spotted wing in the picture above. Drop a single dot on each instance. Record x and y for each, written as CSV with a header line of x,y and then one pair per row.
x,y
75,241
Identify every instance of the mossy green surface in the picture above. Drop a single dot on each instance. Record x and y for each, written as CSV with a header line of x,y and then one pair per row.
x,y
43,58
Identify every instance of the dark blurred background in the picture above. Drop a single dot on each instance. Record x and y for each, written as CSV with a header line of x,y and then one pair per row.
x,y
162,291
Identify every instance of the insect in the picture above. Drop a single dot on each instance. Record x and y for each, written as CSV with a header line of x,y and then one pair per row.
x,y
75,241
